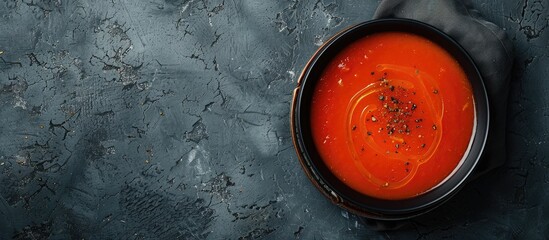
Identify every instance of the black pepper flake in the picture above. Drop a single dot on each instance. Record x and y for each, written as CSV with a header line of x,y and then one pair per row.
x,y
362,148
397,145
419,120
372,73
381,97
423,145
414,107
407,170
354,127
407,163
435,91
392,88
394,100
369,133
434,127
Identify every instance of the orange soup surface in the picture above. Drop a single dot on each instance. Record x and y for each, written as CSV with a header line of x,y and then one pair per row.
x,y
392,115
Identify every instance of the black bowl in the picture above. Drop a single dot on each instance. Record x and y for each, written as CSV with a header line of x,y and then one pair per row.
x,y
327,182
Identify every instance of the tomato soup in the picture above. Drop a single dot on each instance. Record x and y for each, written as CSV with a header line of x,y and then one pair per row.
x,y
392,115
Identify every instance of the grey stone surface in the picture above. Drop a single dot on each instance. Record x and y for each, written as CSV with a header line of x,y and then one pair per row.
x,y
170,119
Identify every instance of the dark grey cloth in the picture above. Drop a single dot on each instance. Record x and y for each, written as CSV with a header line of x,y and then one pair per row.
x,y
487,44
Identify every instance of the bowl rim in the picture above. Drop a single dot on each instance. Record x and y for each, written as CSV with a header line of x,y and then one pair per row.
x,y
319,179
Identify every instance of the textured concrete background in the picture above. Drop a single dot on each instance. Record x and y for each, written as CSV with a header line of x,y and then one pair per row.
x,y
169,119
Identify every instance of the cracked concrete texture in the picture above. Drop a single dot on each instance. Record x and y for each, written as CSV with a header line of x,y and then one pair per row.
x,y
169,118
